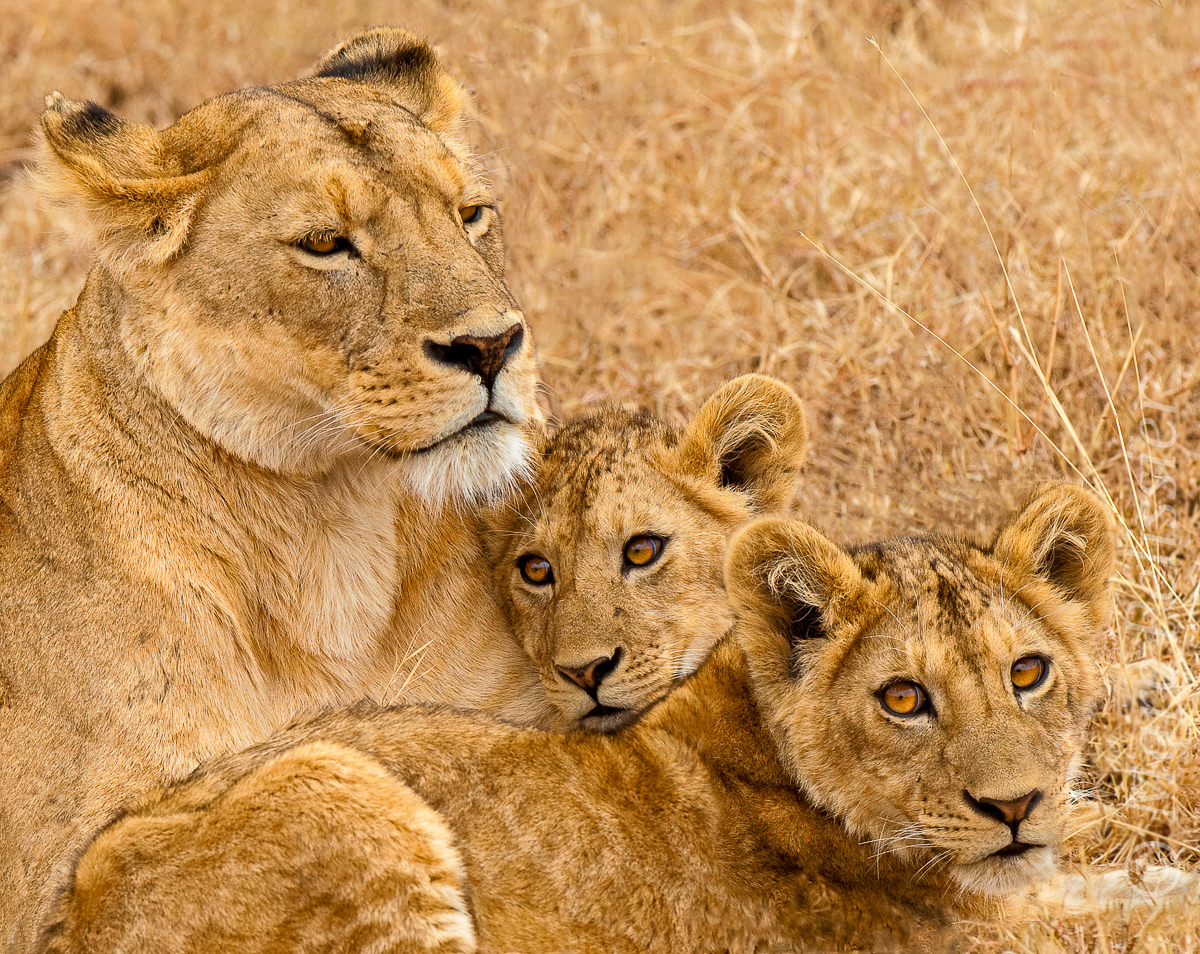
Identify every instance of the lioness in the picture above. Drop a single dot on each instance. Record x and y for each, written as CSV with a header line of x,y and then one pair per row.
x,y
230,483
882,745
609,564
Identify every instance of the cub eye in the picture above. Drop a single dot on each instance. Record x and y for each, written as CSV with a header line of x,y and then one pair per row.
x,y
324,244
1029,672
536,570
904,698
642,551
470,213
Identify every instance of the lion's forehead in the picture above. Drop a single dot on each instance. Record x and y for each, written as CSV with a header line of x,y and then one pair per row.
x,y
946,611
601,465
306,122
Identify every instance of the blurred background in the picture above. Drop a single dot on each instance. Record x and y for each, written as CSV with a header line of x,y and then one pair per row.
x,y
978,280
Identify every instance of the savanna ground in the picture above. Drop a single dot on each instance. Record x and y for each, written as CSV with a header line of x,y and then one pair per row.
x,y
709,187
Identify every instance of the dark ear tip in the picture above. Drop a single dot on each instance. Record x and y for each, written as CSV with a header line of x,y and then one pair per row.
x,y
387,50
68,119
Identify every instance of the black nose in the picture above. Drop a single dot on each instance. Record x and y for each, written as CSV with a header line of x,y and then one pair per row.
x,y
589,676
482,356
1010,812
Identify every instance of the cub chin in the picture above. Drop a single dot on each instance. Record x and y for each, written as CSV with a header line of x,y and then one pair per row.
x,y
880,748
609,565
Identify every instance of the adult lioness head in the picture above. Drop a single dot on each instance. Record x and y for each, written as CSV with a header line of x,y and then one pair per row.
x,y
931,693
610,567
313,269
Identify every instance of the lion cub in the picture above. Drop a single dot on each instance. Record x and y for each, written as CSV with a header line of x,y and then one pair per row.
x,y
881,746
609,565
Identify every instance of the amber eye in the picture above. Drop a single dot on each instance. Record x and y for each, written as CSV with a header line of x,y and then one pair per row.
x,y
470,213
1029,671
536,570
904,698
642,551
322,244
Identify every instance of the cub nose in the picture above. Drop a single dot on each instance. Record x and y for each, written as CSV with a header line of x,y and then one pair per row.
x,y
1011,812
482,356
589,676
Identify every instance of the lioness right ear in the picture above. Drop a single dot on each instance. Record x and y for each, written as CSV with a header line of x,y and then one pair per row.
x,y
408,70
751,435
788,577
134,199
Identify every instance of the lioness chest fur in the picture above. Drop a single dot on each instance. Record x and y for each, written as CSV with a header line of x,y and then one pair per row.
x,y
882,746
232,484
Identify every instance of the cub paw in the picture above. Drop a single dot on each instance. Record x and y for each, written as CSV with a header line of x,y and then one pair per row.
x,y
1091,891
1147,682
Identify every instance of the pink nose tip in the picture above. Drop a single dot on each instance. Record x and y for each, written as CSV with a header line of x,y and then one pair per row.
x,y
589,676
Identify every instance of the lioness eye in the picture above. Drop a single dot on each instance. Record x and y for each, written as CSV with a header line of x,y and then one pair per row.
x,y
536,570
904,698
1029,671
642,551
322,244
470,213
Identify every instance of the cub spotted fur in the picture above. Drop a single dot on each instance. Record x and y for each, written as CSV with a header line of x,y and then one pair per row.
x,y
231,482
881,746
610,564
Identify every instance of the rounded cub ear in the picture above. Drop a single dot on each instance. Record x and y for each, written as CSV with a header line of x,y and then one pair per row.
x,y
786,578
129,189
1063,535
751,435
407,69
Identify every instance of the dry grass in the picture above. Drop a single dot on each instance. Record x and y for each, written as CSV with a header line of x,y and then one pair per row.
x,y
668,178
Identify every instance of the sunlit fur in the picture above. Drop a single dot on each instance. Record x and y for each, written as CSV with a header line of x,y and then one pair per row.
x,y
766,804
237,483
614,475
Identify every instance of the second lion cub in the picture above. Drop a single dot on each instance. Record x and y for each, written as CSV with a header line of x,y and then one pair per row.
x,y
609,567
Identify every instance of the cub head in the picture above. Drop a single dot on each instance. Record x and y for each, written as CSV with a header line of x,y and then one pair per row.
x,y
932,693
610,566
311,271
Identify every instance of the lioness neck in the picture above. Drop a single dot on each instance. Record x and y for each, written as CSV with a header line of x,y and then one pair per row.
x,y
288,580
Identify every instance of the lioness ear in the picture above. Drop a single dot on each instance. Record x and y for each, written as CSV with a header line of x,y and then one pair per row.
x,y
789,576
406,68
750,435
135,201
1062,535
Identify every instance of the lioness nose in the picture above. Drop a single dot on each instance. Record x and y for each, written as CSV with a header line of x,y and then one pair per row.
x,y
1011,811
589,676
482,356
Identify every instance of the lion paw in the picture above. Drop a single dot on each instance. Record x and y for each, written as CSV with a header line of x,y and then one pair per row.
x,y
1090,891
1142,683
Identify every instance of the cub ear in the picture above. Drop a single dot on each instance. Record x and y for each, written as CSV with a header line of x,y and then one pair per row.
x,y
750,435
786,578
134,200
408,70
1063,535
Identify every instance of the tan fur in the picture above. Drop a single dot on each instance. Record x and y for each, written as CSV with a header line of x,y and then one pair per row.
x,y
232,484
616,475
768,803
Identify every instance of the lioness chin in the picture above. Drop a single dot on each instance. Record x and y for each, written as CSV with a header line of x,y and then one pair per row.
x,y
883,745
232,483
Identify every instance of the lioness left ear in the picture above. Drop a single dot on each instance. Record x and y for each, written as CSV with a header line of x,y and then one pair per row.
x,y
1063,535
750,435
136,195
408,70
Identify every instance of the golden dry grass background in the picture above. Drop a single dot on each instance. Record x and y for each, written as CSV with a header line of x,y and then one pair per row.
x,y
672,175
